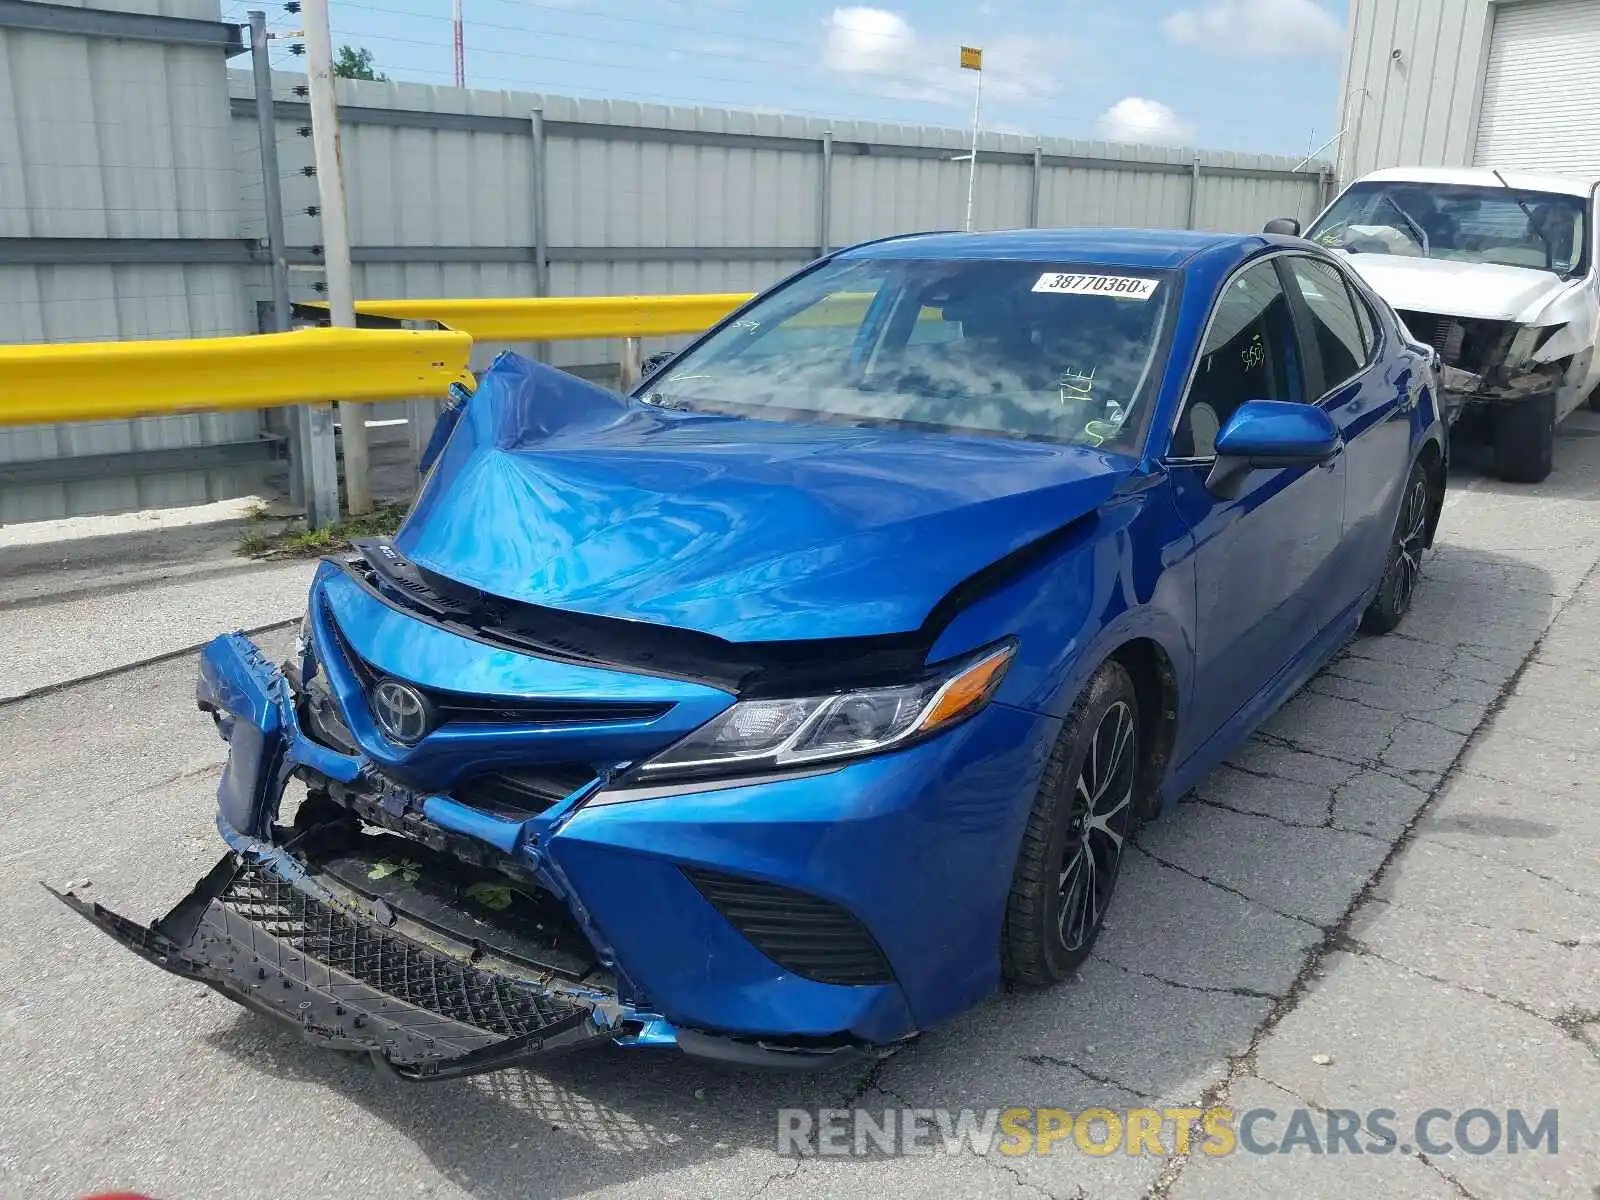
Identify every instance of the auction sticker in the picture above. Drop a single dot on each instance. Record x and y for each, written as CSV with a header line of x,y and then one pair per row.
x,y
1120,287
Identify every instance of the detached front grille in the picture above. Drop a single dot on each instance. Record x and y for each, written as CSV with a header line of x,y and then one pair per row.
x,y
465,708
805,934
390,963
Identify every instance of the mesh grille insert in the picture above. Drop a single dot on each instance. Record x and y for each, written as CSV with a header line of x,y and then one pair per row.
x,y
390,963
805,934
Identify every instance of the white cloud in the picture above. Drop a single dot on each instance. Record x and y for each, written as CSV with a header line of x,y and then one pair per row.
x,y
903,63
1135,119
1258,27
868,39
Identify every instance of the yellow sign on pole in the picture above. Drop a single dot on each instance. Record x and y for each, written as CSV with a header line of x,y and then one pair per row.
x,y
971,58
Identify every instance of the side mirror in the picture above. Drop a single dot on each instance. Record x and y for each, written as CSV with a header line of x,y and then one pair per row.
x,y
1264,434
1284,225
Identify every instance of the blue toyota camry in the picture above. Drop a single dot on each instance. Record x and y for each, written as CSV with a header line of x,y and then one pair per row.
x,y
789,705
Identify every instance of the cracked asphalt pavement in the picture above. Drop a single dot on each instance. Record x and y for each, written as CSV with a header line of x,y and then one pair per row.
x,y
1389,898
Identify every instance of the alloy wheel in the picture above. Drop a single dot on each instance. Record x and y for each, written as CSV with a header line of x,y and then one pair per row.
x,y
1411,533
1102,806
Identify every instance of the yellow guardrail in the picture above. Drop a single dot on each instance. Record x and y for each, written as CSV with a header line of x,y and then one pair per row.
x,y
562,318
97,381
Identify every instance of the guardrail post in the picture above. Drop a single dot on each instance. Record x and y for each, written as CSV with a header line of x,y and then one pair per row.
x,y
628,374
1194,192
825,195
1033,196
540,216
277,266
336,264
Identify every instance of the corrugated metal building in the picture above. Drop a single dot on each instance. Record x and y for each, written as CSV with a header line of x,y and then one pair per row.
x,y
1502,83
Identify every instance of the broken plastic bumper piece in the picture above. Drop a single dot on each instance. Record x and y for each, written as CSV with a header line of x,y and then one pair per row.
x,y
348,982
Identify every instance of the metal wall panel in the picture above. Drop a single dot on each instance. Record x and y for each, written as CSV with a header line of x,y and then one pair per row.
x,y
1420,108
613,199
117,139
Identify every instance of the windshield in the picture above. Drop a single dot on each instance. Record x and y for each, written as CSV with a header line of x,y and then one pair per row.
x,y
1461,223
1054,352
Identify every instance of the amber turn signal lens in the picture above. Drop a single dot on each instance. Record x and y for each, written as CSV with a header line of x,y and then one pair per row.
x,y
969,689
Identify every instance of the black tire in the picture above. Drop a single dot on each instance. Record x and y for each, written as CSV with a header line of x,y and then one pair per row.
x,y
1051,919
1402,566
1524,439
1594,399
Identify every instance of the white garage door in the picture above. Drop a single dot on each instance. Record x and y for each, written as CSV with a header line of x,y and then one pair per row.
x,y
1541,91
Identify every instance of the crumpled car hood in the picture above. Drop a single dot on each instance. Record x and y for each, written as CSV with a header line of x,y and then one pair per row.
x,y
1460,289
555,492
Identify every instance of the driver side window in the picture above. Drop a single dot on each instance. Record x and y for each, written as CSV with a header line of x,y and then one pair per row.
x,y
1249,354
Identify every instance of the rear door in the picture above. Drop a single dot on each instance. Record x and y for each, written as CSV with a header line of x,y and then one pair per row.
x,y
1370,396
1262,561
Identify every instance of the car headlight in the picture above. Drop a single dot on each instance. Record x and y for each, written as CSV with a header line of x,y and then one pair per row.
x,y
1521,348
1528,342
764,735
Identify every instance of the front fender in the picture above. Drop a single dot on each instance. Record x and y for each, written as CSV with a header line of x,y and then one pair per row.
x,y
1131,577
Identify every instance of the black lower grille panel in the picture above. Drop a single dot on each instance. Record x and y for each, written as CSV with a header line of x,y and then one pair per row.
x,y
812,937
521,793
389,963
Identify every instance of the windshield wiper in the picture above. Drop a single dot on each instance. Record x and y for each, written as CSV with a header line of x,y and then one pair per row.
x,y
662,400
1422,234
1549,249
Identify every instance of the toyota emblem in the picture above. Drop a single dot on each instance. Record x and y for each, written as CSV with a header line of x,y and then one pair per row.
x,y
401,711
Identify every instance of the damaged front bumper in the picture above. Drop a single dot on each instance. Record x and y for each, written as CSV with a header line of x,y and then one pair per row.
x,y
783,922
362,934
1462,389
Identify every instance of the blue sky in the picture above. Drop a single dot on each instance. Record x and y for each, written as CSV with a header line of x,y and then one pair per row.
x,y
1256,75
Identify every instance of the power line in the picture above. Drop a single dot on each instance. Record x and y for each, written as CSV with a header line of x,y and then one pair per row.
x,y
618,18
568,61
546,34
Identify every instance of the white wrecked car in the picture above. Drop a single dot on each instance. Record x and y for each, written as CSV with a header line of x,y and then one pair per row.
x,y
1497,272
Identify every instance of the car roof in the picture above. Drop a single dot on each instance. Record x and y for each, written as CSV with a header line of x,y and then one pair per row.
x,y
1163,249
1532,181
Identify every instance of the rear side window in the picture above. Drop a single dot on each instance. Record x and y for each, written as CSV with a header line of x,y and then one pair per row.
x,y
1334,323
1364,318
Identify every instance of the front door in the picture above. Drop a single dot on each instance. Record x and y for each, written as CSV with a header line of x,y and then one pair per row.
x,y
1262,561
